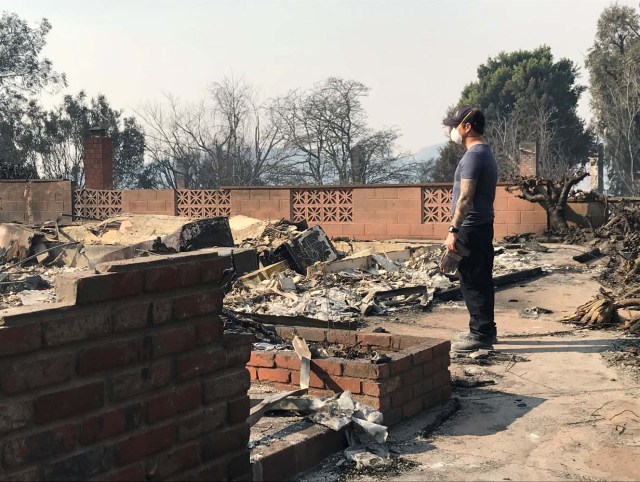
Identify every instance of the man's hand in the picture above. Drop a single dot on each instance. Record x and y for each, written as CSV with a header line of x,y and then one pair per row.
x,y
450,242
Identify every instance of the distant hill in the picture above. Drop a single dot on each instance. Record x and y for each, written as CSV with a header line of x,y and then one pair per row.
x,y
429,152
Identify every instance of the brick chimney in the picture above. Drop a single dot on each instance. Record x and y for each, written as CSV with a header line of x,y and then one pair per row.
x,y
596,171
528,159
98,159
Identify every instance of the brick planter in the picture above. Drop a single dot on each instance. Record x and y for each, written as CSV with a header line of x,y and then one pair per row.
x,y
416,379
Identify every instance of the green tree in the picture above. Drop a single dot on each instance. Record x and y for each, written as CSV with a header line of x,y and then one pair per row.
x,y
529,96
614,78
61,140
24,73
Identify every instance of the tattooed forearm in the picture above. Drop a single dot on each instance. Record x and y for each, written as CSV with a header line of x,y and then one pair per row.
x,y
465,201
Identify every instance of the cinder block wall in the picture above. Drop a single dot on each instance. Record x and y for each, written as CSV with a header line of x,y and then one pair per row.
x,y
42,200
358,212
129,377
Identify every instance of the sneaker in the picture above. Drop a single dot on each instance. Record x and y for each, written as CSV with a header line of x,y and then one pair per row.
x,y
465,335
469,346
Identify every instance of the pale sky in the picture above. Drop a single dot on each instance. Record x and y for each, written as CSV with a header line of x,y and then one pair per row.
x,y
416,56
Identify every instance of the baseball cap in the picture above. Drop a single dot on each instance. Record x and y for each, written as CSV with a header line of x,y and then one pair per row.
x,y
468,114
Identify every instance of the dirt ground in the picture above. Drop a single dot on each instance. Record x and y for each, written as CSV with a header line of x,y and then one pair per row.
x,y
548,407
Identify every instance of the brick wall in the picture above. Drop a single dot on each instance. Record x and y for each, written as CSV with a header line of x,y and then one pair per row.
x,y
128,377
416,379
98,162
34,201
359,212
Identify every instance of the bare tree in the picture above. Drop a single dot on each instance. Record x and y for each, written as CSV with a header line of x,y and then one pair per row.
x,y
327,128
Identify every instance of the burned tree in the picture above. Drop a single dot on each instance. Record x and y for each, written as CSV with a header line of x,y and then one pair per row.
x,y
551,194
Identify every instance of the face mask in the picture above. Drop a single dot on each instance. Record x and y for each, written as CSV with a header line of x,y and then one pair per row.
x,y
455,136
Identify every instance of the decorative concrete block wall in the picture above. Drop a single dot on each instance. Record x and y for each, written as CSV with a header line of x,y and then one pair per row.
x,y
129,377
34,201
417,378
359,212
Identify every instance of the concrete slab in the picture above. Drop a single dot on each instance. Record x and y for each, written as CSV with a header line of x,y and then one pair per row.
x,y
558,413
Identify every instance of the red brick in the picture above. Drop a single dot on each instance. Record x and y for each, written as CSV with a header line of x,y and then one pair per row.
x,y
384,387
204,420
442,349
86,289
141,380
80,466
330,366
262,359
224,441
342,337
314,380
422,356
19,339
128,318
441,379
290,361
378,403
338,384
147,443
165,278
238,409
253,373
412,407
175,341
403,342
400,363
67,330
39,446
133,472
105,357
226,385
238,348
183,458
239,466
198,304
412,376
401,396
109,424
162,310
14,415
69,402
363,369
31,374
421,387
431,368
177,401
279,375
382,340
209,330
212,270
201,363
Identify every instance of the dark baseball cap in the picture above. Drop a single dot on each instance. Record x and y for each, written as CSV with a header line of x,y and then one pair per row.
x,y
465,114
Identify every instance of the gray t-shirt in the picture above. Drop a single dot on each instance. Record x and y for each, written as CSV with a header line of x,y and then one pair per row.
x,y
480,164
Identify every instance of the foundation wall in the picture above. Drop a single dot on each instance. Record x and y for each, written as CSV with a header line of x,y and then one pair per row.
x,y
128,377
417,378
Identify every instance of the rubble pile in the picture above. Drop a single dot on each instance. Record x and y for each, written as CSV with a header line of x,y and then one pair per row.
x,y
619,240
339,288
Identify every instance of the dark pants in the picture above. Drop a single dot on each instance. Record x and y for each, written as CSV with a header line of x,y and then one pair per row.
x,y
476,279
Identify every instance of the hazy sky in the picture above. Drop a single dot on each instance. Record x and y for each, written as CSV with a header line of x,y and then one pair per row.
x,y
415,55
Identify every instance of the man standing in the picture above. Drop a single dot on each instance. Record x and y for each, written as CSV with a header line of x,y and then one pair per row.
x,y
474,191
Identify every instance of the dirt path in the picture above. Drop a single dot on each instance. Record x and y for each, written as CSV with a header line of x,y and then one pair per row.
x,y
555,410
